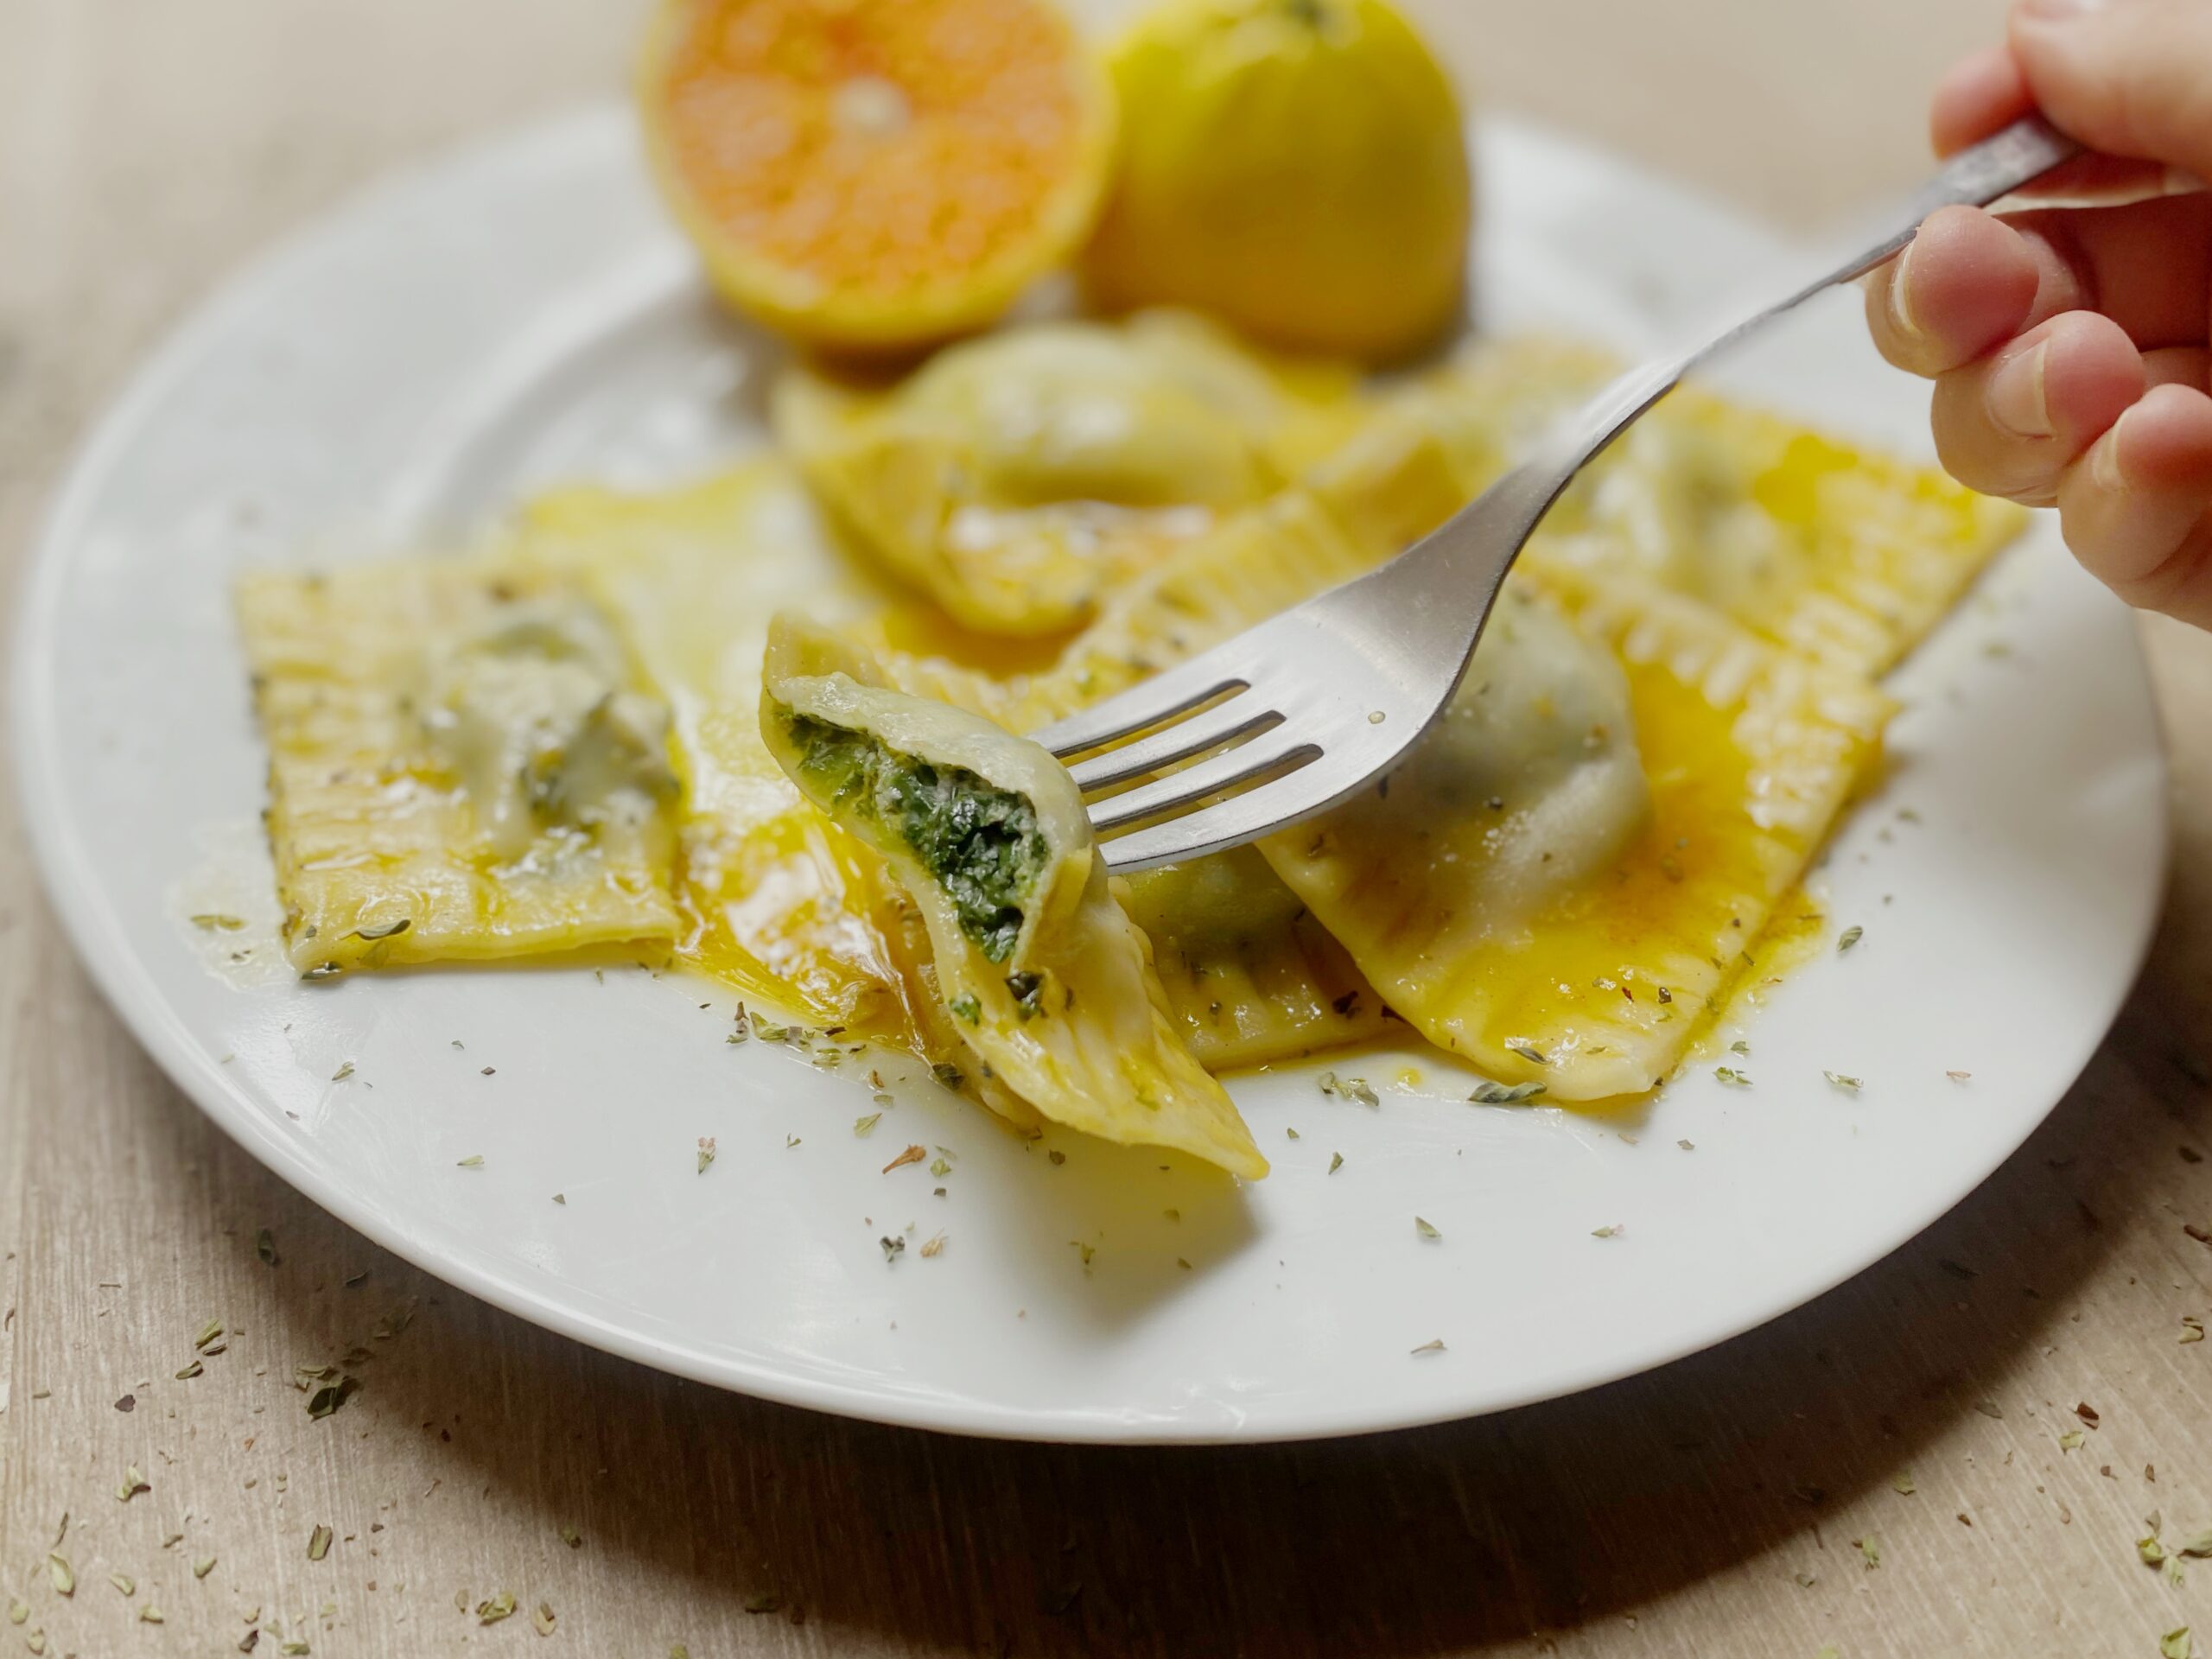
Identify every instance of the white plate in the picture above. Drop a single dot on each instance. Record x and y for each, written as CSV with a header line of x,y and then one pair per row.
x,y
522,314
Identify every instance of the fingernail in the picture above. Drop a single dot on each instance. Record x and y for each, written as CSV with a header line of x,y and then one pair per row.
x,y
2014,397
2055,11
2104,458
1900,306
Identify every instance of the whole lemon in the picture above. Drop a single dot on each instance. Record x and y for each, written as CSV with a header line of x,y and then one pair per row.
x,y
1299,167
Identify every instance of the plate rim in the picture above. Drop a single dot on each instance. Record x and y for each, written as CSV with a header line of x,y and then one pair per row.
x,y
100,940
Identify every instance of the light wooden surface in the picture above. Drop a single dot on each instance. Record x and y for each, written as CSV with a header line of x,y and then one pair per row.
x,y
1709,1510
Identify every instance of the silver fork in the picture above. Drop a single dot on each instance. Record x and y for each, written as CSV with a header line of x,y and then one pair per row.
x,y
1313,704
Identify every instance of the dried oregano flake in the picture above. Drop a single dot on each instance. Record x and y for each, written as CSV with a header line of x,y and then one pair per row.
x,y
1497,1094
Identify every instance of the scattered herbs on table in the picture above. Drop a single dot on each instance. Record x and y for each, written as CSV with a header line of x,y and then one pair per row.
x,y
331,1395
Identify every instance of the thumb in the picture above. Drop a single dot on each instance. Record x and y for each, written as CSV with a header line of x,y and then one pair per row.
x,y
2127,77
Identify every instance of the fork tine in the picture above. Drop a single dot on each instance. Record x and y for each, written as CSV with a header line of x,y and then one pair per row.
x,y
1240,713
1274,806
1159,698
1277,747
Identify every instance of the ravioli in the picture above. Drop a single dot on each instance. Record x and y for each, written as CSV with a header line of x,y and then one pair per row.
x,y
1592,986
1017,478
1249,973
778,901
1848,557
1528,788
1052,983
462,765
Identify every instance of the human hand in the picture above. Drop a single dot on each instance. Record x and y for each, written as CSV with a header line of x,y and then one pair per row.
x,y
2069,346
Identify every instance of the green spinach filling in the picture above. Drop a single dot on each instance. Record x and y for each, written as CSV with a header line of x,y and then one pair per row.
x,y
980,842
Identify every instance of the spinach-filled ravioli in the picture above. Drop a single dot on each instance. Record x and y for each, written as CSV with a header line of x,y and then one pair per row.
x,y
463,764
1019,477
1050,982
1249,973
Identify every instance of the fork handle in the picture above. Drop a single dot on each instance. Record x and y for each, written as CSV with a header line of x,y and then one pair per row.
x,y
1480,542
1975,177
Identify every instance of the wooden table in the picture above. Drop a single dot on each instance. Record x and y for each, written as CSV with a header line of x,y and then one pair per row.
x,y
148,146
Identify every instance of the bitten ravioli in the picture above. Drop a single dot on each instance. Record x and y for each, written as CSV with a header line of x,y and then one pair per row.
x,y
1034,957
462,765
1250,975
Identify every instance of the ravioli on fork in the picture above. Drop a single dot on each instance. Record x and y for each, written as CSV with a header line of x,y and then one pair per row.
x,y
1034,956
